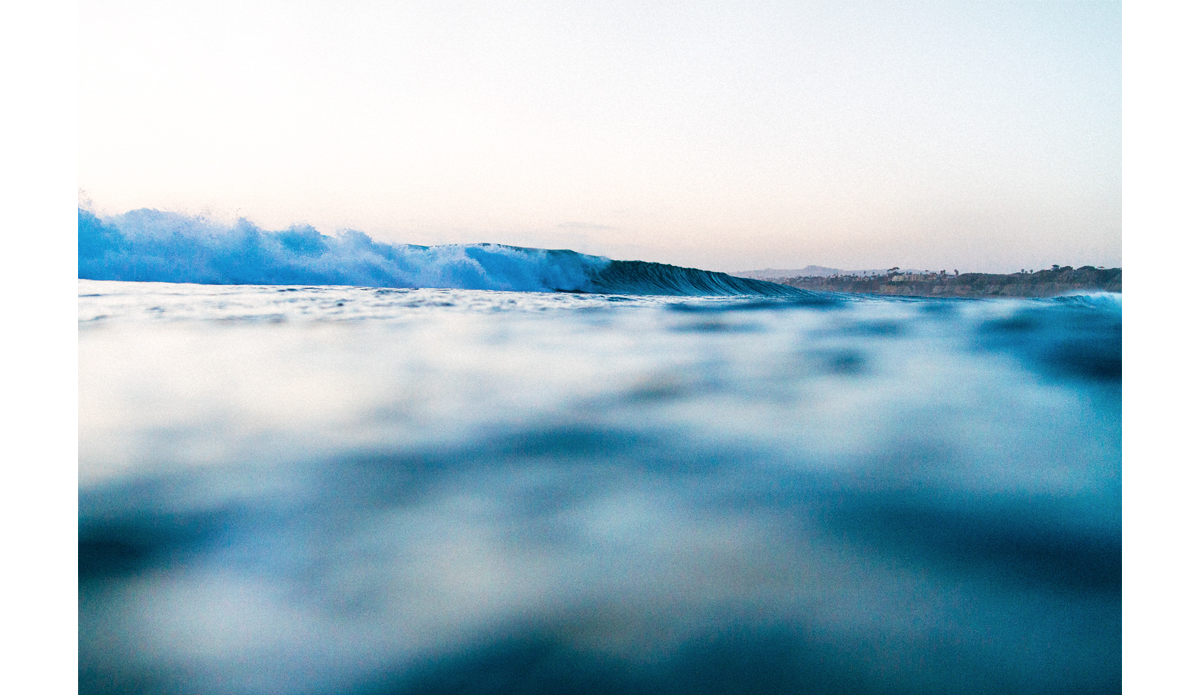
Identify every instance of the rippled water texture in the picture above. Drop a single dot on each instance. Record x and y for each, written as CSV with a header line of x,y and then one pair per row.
x,y
354,490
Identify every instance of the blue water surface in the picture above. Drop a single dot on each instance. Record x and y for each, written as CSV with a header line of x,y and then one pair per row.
x,y
317,489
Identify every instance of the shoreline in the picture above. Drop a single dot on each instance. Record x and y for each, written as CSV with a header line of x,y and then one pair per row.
x,y
1043,283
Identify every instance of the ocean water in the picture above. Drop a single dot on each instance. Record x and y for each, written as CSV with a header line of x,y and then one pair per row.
x,y
328,489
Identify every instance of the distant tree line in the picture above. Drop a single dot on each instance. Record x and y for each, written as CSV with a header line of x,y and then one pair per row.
x,y
1026,283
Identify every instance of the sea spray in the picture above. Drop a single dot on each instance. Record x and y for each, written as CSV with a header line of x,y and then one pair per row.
x,y
154,246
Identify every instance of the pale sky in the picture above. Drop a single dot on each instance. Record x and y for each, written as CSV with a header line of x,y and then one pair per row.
x,y
727,136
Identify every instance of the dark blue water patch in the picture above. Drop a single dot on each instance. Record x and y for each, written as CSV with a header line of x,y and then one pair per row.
x,y
584,456
874,328
752,654
115,678
1073,340
1008,537
254,318
742,657
943,307
142,532
716,326
568,442
846,362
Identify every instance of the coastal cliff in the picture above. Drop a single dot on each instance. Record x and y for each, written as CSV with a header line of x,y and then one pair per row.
x,y
1043,283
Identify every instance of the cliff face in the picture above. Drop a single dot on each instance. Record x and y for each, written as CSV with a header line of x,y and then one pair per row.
x,y
1044,283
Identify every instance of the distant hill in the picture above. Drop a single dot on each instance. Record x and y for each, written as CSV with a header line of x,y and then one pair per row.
x,y
1043,283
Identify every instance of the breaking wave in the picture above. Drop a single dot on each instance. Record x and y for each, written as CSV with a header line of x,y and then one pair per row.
x,y
155,246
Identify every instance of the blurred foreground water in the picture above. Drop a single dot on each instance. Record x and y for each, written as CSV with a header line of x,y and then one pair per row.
x,y
369,491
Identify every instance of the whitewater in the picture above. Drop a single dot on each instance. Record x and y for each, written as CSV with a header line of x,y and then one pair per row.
x,y
155,246
480,469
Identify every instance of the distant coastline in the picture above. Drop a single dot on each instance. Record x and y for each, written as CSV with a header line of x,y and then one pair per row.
x,y
1042,283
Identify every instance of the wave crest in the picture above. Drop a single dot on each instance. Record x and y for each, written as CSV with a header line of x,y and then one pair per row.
x,y
155,246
